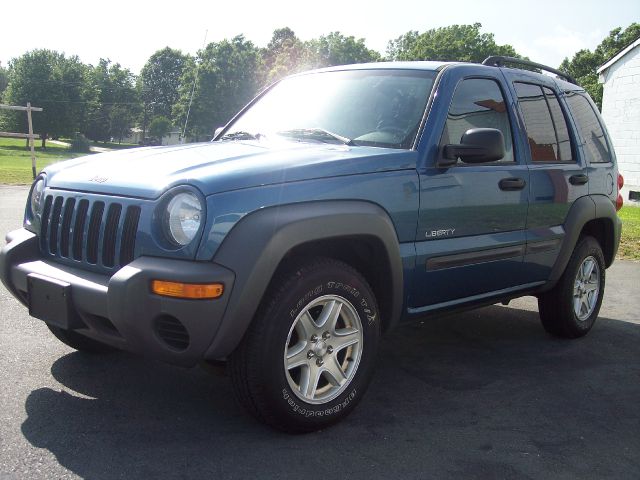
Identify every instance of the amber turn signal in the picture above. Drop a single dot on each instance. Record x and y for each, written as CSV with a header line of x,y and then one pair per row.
x,y
187,290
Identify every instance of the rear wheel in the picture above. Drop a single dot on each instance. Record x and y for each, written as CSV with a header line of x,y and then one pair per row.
x,y
309,354
79,342
570,309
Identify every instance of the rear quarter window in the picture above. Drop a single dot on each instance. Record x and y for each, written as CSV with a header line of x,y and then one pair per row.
x,y
596,148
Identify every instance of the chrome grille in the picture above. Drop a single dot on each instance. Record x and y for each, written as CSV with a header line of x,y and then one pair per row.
x,y
96,232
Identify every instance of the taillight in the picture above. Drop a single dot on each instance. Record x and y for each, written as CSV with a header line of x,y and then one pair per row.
x,y
619,200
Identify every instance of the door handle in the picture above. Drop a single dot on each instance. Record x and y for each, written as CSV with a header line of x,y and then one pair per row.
x,y
580,179
510,184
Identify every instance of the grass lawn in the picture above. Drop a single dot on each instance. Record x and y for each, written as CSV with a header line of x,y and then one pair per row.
x,y
630,242
15,159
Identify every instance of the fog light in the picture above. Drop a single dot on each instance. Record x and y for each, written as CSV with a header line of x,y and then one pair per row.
x,y
187,290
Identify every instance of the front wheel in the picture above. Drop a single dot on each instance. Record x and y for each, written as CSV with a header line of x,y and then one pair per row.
x,y
309,354
570,309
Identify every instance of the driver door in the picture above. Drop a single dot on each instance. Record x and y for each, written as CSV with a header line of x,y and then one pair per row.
x,y
470,236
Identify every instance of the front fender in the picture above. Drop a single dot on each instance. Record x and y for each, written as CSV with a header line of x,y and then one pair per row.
x,y
255,247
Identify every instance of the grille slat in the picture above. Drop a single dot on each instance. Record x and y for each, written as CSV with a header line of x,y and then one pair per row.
x,y
98,233
44,228
93,235
65,234
54,226
78,229
110,234
129,230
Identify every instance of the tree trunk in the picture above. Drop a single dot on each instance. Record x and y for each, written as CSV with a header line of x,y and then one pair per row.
x,y
44,141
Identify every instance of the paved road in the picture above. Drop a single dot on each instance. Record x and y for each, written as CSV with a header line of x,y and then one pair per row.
x,y
92,148
485,394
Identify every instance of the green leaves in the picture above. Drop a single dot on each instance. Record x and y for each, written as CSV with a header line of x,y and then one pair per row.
x,y
160,81
159,127
112,101
462,43
226,79
50,80
585,63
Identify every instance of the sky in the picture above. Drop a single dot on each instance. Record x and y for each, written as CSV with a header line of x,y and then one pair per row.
x,y
128,32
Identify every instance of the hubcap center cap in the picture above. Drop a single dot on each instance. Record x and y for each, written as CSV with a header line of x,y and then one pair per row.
x,y
320,348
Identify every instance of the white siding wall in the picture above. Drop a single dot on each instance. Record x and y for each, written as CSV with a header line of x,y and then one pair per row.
x,y
621,113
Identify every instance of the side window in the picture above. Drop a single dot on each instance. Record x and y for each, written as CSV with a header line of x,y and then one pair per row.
x,y
546,125
478,103
596,147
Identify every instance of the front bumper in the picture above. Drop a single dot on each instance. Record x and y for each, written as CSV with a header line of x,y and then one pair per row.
x,y
120,310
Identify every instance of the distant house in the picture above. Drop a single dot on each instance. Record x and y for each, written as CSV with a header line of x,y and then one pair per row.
x,y
172,138
621,112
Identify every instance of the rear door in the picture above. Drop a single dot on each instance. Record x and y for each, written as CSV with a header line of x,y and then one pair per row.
x,y
470,237
558,176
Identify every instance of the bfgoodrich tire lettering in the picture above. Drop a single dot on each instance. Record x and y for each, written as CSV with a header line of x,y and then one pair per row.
x,y
310,351
570,309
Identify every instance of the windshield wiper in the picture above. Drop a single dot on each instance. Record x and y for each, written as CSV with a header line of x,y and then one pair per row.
x,y
240,136
316,134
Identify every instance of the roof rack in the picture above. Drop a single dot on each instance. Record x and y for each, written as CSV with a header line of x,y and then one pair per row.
x,y
499,61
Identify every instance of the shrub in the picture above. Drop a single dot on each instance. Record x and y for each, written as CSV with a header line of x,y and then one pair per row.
x,y
80,143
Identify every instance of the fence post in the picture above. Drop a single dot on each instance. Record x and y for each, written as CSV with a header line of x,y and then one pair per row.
x,y
31,142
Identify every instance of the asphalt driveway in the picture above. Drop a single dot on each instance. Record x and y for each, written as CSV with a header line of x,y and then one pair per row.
x,y
486,394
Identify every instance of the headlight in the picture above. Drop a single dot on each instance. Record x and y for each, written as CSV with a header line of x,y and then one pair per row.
x,y
183,218
37,197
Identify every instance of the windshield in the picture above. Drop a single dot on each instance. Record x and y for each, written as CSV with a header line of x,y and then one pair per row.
x,y
355,107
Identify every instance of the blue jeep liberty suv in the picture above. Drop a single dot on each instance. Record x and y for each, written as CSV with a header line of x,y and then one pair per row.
x,y
337,204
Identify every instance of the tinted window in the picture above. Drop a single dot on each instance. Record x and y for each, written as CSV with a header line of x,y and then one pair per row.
x,y
596,147
560,124
478,103
546,126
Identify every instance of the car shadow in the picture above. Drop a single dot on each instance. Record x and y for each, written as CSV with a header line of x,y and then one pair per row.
x,y
483,394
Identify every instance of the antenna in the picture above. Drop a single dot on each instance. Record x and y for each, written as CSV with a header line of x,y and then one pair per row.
x,y
193,89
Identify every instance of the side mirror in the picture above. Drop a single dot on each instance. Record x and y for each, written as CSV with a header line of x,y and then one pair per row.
x,y
217,132
477,145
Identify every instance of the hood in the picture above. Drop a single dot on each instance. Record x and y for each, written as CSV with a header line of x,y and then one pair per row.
x,y
216,167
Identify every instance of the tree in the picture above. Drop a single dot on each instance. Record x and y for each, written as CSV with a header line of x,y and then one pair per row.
x,y
113,102
336,49
4,79
50,80
284,55
159,128
585,63
462,43
226,80
159,81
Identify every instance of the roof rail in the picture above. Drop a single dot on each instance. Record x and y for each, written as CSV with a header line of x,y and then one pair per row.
x,y
499,61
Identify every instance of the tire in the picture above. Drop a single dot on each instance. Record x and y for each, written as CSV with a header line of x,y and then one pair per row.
x,y
79,342
570,309
308,357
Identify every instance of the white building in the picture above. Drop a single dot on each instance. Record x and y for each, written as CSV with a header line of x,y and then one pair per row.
x,y
171,138
621,113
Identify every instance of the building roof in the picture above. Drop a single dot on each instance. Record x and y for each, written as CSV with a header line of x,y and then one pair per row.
x,y
618,56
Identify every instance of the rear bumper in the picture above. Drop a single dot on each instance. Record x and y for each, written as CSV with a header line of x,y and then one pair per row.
x,y
120,310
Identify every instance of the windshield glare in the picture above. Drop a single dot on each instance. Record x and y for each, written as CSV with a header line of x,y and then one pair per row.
x,y
359,107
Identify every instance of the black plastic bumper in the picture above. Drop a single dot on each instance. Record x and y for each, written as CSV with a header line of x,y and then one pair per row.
x,y
120,310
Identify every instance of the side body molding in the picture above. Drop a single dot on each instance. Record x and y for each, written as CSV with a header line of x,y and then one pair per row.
x,y
257,244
